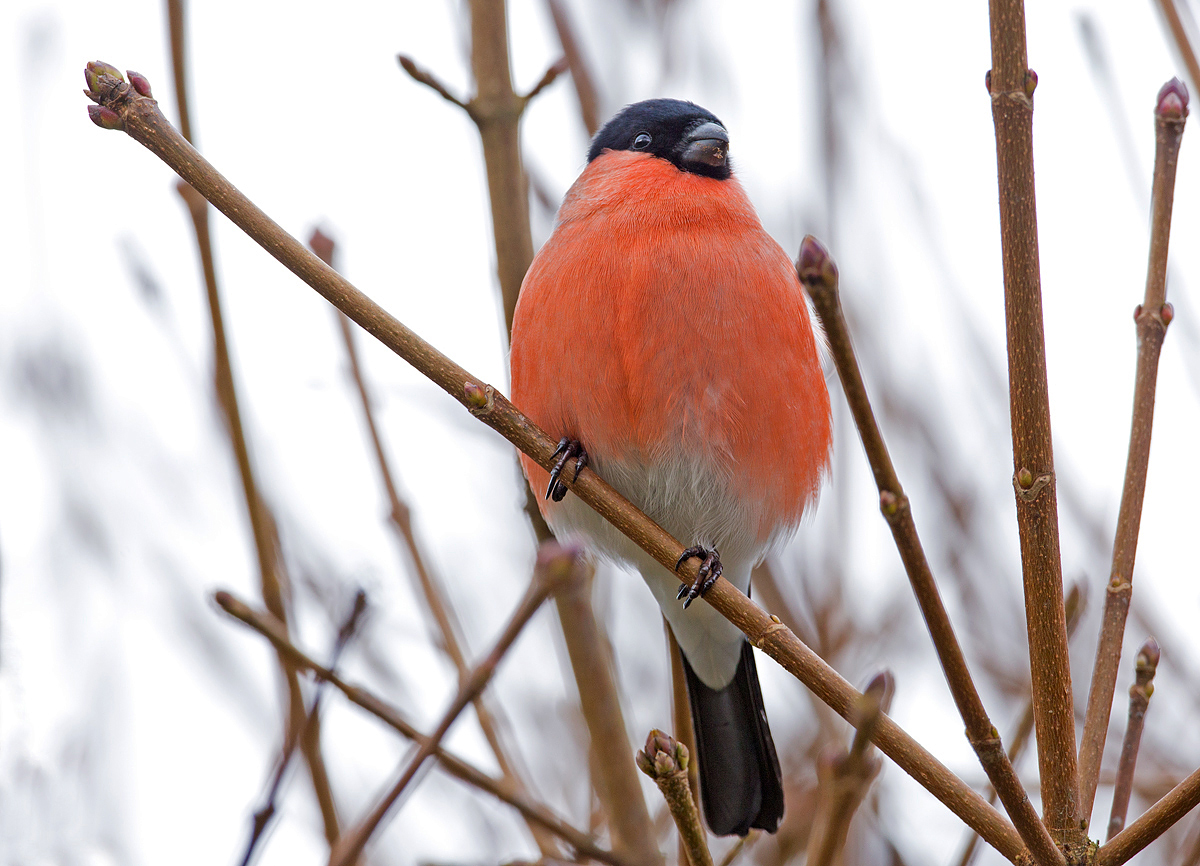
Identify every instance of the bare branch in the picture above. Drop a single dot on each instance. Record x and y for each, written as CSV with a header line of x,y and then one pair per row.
x,y
1139,702
1152,317
554,565
1182,44
1156,820
666,762
140,118
423,76
1011,83
846,776
818,274
585,84
557,68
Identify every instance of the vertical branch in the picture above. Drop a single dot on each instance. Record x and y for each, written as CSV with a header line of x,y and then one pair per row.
x,y
614,774
266,543
1139,702
1011,84
581,76
666,761
1152,317
496,110
448,635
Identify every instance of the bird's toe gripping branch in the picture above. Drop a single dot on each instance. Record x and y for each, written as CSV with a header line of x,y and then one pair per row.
x,y
710,570
567,448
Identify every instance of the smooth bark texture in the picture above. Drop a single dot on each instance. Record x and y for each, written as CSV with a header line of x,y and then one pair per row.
x,y
819,276
1011,84
1151,317
140,118
1155,821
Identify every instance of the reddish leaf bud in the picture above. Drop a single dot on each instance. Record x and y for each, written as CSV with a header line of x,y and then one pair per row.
x,y
95,72
1172,101
1167,312
476,396
1030,82
139,82
105,118
815,264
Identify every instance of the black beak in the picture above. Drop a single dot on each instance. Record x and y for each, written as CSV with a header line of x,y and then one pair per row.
x,y
706,145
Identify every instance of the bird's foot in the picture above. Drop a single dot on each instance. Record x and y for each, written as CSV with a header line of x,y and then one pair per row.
x,y
567,448
710,570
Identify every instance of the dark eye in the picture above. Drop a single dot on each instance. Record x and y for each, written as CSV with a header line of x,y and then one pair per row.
x,y
641,141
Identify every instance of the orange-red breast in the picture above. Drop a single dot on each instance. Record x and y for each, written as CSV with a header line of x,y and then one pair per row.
x,y
664,336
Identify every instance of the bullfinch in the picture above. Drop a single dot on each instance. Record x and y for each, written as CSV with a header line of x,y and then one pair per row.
x,y
664,336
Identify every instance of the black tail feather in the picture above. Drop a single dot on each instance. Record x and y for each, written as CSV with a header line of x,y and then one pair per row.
x,y
740,781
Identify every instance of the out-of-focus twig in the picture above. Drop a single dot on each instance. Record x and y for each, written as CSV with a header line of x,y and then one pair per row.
x,y
1075,604
614,775
120,106
1155,821
272,576
1182,44
585,83
665,760
819,276
437,605
270,628
263,815
1152,317
1139,701
1011,84
846,776
555,564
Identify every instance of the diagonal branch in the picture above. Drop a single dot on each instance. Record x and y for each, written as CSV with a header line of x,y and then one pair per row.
x,y
270,628
555,564
121,107
1011,84
1152,317
1155,821
1180,37
819,276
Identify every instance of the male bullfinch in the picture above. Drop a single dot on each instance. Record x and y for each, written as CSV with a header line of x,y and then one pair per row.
x,y
664,336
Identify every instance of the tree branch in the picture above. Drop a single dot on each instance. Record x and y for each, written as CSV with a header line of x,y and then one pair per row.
x,y
1011,84
818,274
1155,821
1180,37
122,107
1152,317
666,762
1139,702
555,564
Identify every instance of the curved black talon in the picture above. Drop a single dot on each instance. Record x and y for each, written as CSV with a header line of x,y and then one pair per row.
x,y
710,570
567,448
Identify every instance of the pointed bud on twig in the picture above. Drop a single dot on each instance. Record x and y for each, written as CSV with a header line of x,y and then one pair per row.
x,y
556,562
476,396
1147,659
1172,103
987,80
139,82
888,503
1168,313
96,74
662,756
105,118
815,264
1031,81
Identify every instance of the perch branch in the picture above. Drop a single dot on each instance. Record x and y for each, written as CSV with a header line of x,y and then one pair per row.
x,y
121,107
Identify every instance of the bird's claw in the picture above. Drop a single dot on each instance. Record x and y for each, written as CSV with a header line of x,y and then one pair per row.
x,y
567,448
710,570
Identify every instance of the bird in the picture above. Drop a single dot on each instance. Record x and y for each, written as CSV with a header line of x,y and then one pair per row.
x,y
664,338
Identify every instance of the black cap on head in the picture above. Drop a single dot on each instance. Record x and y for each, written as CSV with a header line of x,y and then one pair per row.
x,y
680,132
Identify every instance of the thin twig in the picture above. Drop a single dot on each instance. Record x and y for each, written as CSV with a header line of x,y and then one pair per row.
x,y
554,565
1075,604
437,605
1180,37
270,628
424,76
666,761
557,68
819,276
1155,821
585,83
120,106
1139,701
846,776
263,815
1011,84
740,846
1152,317
272,575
